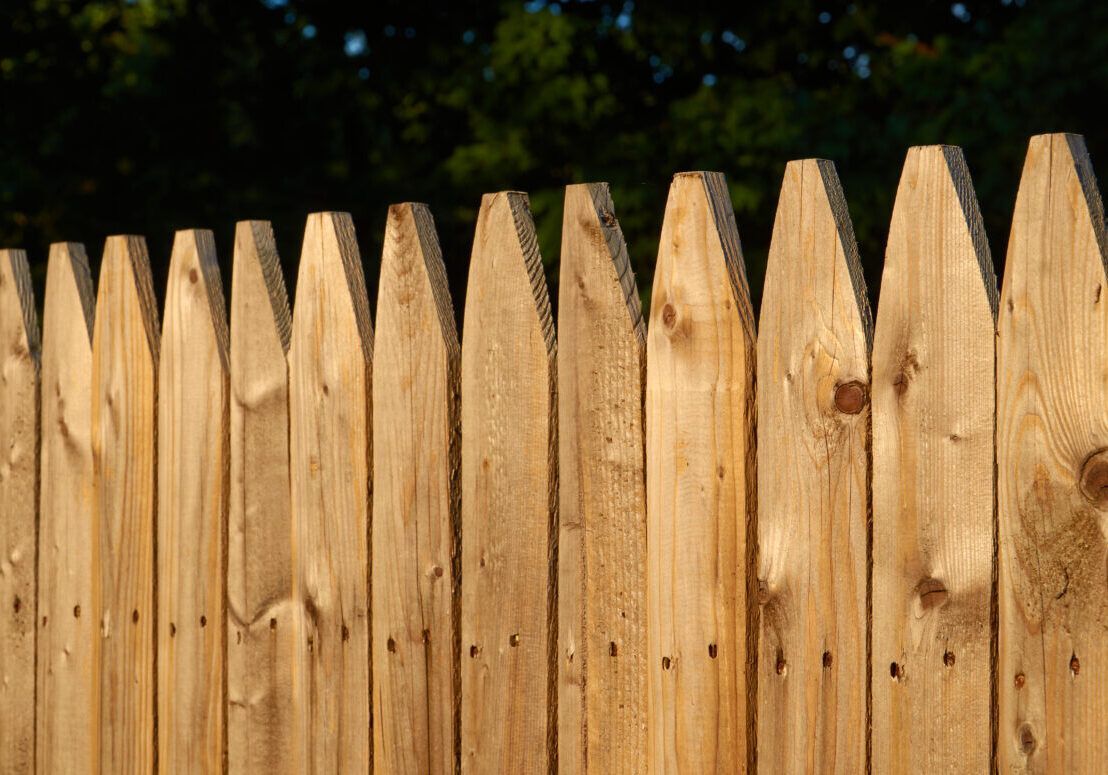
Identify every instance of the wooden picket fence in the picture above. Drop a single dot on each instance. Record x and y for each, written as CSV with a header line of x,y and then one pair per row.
x,y
301,542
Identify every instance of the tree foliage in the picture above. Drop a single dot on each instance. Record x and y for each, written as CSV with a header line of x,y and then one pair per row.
x,y
143,116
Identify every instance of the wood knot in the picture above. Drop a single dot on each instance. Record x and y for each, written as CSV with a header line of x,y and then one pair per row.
x,y
932,593
1021,679
1075,665
1094,478
607,218
1027,739
851,397
669,316
827,659
896,671
194,276
948,658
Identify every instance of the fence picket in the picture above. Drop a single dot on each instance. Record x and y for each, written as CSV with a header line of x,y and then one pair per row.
x,y
509,499
124,378
329,412
68,641
1052,431
261,628
192,510
19,386
700,485
933,478
415,503
813,473
602,508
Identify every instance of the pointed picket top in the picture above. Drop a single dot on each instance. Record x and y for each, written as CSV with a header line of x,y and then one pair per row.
x,y
261,629
68,673
509,499
193,461
1052,432
415,502
19,364
813,473
602,508
330,448
933,482
124,431
700,481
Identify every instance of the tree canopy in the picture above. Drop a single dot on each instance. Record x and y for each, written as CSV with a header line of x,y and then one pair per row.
x,y
143,117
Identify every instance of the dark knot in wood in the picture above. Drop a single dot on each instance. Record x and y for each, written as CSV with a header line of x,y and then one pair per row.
x,y
851,397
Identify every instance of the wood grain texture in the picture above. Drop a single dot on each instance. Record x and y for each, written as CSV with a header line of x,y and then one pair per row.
x,y
124,430
68,640
193,472
19,413
416,503
1052,431
700,486
509,499
934,406
813,474
329,413
261,627
602,506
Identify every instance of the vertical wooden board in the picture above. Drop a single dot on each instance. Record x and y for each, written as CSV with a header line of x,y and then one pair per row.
x,y
193,475
699,486
415,503
1052,433
261,630
934,405
813,476
329,414
68,640
602,504
124,383
19,375
509,499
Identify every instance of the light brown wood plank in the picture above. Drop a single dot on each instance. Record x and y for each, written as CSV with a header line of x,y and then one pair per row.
x,y
509,499
813,473
415,503
329,413
19,386
934,407
124,431
602,507
261,628
68,640
1052,432
700,486
193,476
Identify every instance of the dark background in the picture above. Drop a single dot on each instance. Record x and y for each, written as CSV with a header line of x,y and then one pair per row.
x,y
146,117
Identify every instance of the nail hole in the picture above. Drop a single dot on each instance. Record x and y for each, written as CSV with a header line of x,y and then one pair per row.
x,y
779,668
238,636
613,649
193,276
948,658
391,645
203,621
426,636
827,659
513,640
76,612
134,616
712,650
473,652
172,630
17,604
44,621
1021,679
345,633
1075,665
896,671
273,624
666,663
